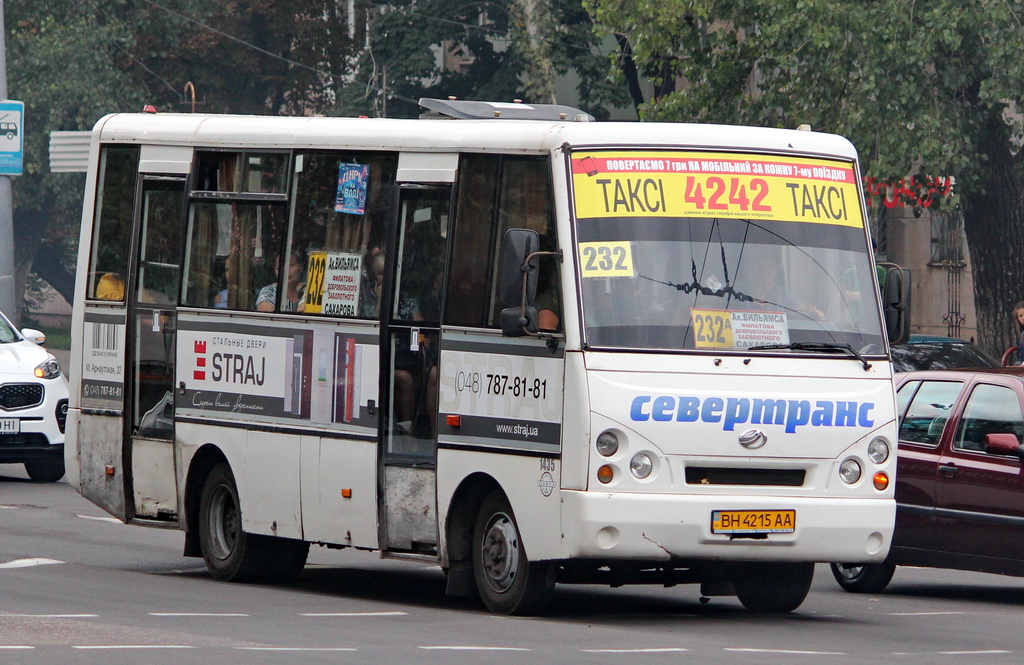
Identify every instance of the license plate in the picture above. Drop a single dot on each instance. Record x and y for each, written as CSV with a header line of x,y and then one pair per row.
x,y
10,425
753,521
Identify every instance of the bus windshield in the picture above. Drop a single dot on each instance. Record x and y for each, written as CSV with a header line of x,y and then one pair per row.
x,y
780,261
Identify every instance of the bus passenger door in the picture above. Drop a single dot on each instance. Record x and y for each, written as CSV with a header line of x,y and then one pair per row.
x,y
152,323
412,333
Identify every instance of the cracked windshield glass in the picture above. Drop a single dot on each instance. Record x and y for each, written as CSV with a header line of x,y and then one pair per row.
x,y
683,250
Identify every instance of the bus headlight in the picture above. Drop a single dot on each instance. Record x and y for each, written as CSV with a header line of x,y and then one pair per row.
x,y
878,450
849,471
607,443
641,466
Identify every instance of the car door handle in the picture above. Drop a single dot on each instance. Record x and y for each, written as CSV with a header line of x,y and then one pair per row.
x,y
948,470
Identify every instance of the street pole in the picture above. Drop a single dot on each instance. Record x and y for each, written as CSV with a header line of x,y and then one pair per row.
x,y
8,304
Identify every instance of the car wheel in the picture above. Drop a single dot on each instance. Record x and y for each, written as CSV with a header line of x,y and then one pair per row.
x,y
507,581
45,472
863,578
230,553
772,587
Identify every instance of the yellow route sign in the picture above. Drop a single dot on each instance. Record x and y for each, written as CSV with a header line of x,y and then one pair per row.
x,y
606,259
611,183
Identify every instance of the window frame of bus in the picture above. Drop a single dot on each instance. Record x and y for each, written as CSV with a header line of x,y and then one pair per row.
x,y
230,193
379,210
480,306
118,224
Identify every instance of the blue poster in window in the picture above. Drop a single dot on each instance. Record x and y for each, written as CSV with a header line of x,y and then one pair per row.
x,y
352,182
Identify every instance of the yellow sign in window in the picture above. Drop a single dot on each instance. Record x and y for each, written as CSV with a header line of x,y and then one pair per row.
x,y
606,259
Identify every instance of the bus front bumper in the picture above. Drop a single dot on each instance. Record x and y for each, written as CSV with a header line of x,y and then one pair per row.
x,y
663,527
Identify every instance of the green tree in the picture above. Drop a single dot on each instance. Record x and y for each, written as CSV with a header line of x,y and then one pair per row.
x,y
64,62
507,49
931,88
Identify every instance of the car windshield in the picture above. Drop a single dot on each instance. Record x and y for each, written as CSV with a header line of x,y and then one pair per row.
x,y
723,282
7,332
939,355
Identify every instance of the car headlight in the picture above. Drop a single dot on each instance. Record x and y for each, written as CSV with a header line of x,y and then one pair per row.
x,y
48,369
878,450
849,471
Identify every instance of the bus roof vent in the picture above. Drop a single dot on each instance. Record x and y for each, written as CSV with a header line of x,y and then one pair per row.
x,y
455,109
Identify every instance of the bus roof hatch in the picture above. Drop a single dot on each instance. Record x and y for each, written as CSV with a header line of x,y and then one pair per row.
x,y
468,110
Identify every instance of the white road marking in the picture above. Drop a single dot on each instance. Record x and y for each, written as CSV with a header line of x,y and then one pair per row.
x,y
54,616
28,563
11,647
132,646
973,653
471,648
921,614
662,650
296,649
101,519
790,651
353,614
197,614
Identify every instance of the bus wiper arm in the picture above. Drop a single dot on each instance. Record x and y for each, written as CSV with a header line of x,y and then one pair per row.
x,y
824,347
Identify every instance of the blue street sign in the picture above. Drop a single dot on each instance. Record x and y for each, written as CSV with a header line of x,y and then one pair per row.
x,y
12,130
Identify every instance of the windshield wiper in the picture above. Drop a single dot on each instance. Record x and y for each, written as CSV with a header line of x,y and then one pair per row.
x,y
823,347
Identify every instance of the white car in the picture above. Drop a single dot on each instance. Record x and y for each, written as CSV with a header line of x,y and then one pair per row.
x,y
33,403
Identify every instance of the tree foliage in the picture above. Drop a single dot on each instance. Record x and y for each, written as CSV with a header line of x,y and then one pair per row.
x,y
509,49
928,88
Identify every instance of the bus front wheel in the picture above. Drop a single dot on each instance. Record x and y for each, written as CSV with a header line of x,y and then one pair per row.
x,y
230,553
772,587
507,581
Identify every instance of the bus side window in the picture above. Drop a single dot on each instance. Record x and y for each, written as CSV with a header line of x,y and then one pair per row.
x,y
341,206
232,250
115,194
497,193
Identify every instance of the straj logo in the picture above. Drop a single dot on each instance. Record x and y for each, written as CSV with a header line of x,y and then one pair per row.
x,y
199,374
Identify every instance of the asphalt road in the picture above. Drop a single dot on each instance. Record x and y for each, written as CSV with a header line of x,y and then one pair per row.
x,y
78,587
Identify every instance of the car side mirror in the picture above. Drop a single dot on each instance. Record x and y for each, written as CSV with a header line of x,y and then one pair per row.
x,y
33,335
1003,444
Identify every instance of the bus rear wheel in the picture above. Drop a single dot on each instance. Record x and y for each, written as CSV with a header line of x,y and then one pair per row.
x,y
230,553
507,581
772,587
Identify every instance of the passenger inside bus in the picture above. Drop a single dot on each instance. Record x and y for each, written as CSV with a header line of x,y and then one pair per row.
x,y
295,296
110,287
775,294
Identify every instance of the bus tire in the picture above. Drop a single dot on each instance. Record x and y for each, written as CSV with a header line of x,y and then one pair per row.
x,y
863,578
507,581
231,554
45,472
771,587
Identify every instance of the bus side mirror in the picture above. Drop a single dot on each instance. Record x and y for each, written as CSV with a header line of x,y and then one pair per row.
x,y
518,279
518,321
896,304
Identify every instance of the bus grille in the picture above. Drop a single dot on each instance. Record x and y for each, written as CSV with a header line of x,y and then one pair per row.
x,y
710,475
20,395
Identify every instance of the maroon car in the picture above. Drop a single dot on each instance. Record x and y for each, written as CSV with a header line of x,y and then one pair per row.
x,y
959,485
